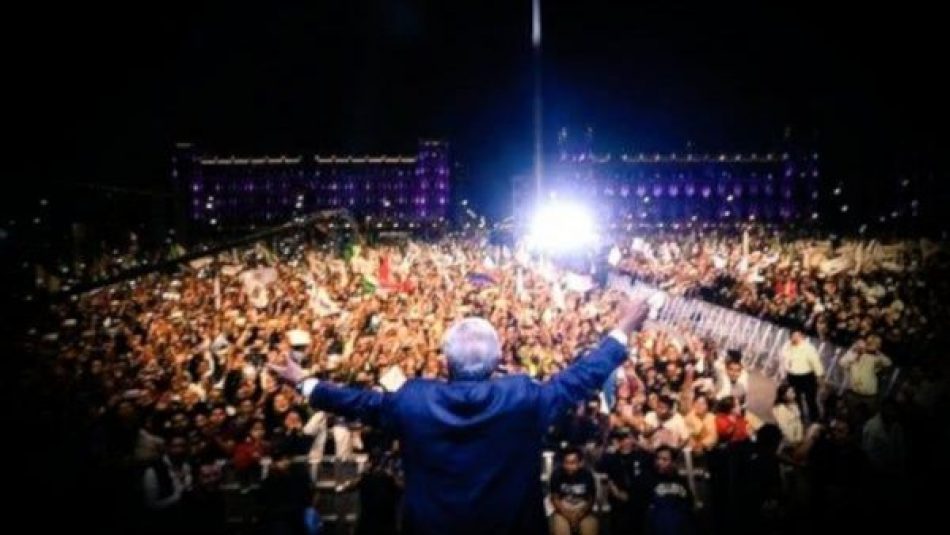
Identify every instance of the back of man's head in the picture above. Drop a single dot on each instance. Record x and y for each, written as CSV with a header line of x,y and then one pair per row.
x,y
471,349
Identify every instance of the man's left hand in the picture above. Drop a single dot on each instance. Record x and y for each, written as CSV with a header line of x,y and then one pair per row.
x,y
291,371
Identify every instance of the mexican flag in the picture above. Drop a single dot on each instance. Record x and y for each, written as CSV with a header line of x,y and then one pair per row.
x,y
369,285
350,251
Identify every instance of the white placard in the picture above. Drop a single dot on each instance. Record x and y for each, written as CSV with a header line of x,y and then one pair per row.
x,y
393,379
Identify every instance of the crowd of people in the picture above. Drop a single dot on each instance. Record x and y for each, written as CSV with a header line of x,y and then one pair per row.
x,y
842,290
164,386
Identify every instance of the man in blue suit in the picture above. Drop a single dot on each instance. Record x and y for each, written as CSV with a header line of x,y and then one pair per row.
x,y
471,447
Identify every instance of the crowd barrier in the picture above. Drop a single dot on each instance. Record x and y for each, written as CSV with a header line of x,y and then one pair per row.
x,y
760,341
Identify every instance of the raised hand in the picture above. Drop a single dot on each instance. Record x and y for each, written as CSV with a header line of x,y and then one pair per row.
x,y
632,316
291,371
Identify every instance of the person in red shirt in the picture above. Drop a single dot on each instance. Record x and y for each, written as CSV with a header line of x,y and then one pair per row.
x,y
786,286
791,288
731,425
248,454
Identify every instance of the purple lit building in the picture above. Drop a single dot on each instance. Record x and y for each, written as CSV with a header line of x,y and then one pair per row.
x,y
777,186
236,192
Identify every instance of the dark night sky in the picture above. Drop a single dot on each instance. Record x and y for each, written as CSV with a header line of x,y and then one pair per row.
x,y
100,94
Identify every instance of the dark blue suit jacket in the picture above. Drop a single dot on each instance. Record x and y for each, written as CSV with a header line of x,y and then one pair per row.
x,y
472,449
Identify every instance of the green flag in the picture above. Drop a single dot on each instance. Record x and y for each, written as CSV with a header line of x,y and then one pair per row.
x,y
368,285
350,251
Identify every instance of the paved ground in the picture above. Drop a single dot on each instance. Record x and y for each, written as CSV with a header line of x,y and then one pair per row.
x,y
761,396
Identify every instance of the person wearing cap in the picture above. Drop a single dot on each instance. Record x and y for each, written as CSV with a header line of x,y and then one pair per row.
x,y
629,471
472,445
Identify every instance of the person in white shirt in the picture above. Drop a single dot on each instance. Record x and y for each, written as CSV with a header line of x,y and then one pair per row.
x,y
731,378
796,440
787,415
665,426
863,361
803,369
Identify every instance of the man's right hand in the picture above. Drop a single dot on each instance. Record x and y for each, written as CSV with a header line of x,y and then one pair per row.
x,y
632,316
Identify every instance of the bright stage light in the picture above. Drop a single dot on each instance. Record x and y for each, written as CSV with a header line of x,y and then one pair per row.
x,y
561,226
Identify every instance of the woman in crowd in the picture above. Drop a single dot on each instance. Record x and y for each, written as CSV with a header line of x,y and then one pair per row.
x,y
702,426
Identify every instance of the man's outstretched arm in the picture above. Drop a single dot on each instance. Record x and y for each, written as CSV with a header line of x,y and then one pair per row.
x,y
365,405
362,404
588,373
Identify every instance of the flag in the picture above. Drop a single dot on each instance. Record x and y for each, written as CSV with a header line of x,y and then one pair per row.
x,y
230,270
656,302
265,253
406,265
480,279
320,301
557,295
439,262
255,285
521,256
392,379
578,283
258,295
546,271
385,279
384,273
446,279
743,265
519,286
350,251
614,257
200,263
368,284
360,265
298,337
488,262
259,276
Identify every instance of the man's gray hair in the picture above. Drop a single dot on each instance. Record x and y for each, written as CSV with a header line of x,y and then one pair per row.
x,y
471,349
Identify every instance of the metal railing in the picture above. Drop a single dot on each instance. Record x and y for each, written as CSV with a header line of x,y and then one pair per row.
x,y
760,341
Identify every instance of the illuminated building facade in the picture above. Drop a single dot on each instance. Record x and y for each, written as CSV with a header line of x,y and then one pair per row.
x,y
236,192
780,186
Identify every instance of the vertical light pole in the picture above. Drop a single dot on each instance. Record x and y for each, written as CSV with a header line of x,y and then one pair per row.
x,y
536,53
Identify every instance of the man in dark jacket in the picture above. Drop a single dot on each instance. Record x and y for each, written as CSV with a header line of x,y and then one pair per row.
x,y
472,445
629,477
671,502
